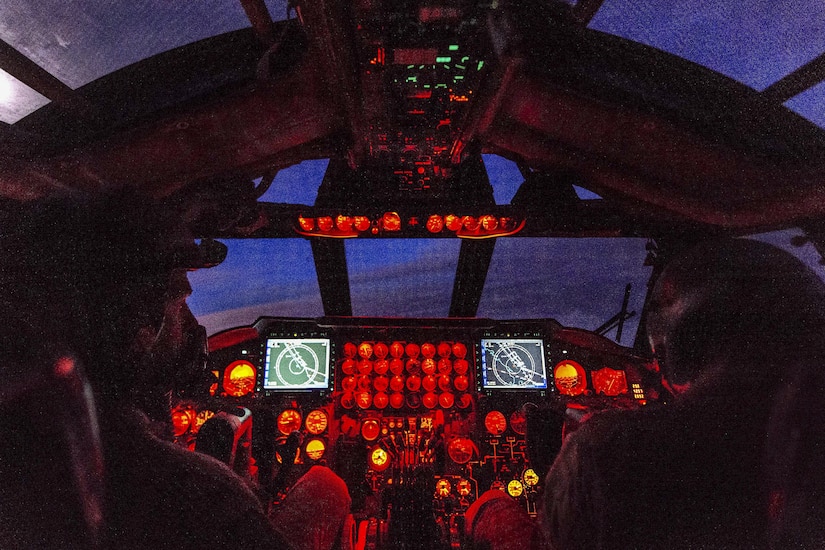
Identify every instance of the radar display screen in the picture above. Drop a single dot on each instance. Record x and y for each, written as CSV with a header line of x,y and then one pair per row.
x,y
513,364
296,364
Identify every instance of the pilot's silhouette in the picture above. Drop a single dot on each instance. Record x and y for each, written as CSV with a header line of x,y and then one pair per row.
x,y
737,327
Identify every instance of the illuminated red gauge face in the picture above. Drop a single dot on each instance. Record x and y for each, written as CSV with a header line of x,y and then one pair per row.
x,y
365,350
316,422
443,488
414,383
348,383
464,487
445,366
379,459
459,350
444,349
239,379
430,400
412,350
413,400
397,400
364,367
397,383
381,400
461,383
381,383
518,421
201,417
381,366
182,419
363,399
446,400
380,350
315,449
461,366
363,383
289,421
348,366
347,400
435,223
495,422
370,429
397,349
444,382
428,382
465,400
396,366
569,378
460,450
428,366
350,350
414,366
609,381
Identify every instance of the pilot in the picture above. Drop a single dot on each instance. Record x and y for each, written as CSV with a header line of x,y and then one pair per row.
x,y
108,276
737,328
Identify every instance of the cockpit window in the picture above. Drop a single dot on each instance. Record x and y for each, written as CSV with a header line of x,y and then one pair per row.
x,y
258,277
579,282
16,99
504,176
297,184
408,278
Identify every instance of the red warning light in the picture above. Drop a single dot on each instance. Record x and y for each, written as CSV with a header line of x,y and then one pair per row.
x,y
325,223
390,221
343,223
489,223
453,222
307,224
435,224
361,223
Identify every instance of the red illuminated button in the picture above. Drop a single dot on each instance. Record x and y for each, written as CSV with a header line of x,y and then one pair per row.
x,y
461,366
459,350
348,366
365,367
429,382
350,350
381,383
397,383
348,383
461,383
396,366
445,366
396,400
370,430
380,350
444,349
414,383
381,366
412,350
397,349
430,400
446,400
428,350
413,366
444,382
381,400
428,366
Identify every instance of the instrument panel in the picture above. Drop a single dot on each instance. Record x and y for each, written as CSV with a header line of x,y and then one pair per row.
x,y
382,401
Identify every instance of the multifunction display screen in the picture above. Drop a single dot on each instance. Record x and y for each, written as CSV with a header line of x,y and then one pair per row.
x,y
297,364
513,364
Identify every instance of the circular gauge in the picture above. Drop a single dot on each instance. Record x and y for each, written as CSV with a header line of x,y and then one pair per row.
x,y
428,350
515,488
381,400
363,399
348,366
182,419
497,485
443,488
444,349
446,400
370,429
396,366
570,378
445,366
413,400
200,418
289,421
428,366
531,478
429,382
380,350
315,449
396,400
381,366
239,378
495,423
379,459
365,367
610,382
397,349
347,400
461,366
365,350
397,383
464,487
413,366
348,383
461,383
316,422
350,350
381,383
412,350
444,382
296,363
430,400
435,223
461,450
363,382
414,383
465,400
513,365
459,350
518,421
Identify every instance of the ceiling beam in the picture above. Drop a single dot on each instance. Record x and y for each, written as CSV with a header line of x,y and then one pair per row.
x,y
805,77
32,75
261,20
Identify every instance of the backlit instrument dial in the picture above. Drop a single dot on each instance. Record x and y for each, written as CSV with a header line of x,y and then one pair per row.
x,y
515,488
464,487
289,421
239,378
531,478
518,421
443,488
315,449
495,422
460,450
379,459
570,378
316,422
370,429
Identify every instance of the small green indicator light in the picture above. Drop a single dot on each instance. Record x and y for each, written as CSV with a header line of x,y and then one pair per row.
x,y
480,65
443,59
459,77
462,67
453,47
465,59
